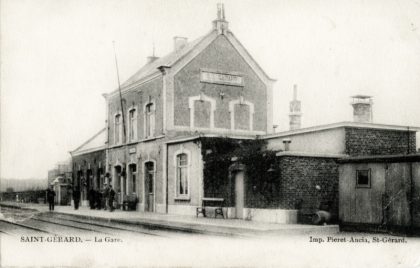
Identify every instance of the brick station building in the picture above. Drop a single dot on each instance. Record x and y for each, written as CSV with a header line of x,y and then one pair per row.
x,y
211,88
88,165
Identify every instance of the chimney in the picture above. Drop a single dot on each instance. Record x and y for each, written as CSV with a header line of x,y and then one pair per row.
x,y
220,24
362,108
151,59
286,143
295,115
179,42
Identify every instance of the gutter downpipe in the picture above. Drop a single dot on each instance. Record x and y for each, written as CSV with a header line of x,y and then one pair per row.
x,y
167,187
411,183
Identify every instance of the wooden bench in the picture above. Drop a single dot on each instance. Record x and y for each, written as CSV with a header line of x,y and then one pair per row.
x,y
213,200
130,202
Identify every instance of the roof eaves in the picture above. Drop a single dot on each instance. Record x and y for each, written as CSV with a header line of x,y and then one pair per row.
x,y
381,158
345,124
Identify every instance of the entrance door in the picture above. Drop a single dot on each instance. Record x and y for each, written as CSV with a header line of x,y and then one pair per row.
x,y
239,194
398,193
149,186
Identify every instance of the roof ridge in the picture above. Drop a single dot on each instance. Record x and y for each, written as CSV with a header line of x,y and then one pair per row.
x,y
167,60
89,140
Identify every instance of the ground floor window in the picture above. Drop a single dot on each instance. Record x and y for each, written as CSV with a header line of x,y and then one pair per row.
x,y
182,174
133,171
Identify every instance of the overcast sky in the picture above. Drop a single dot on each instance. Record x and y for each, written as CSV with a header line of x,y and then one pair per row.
x,y
57,60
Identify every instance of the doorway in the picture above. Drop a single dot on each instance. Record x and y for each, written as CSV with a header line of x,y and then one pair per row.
x,y
149,174
239,194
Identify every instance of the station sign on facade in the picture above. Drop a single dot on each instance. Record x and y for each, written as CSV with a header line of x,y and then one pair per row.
x,y
224,78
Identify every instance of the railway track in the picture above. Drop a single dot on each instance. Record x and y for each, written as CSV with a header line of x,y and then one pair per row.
x,y
20,222
14,228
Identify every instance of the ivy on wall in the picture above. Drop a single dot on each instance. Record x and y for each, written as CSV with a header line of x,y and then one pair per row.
x,y
262,175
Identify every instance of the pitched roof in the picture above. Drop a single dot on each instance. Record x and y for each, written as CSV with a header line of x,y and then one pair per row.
x,y
167,60
176,56
95,143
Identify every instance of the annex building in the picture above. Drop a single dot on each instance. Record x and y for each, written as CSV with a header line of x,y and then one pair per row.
x,y
196,125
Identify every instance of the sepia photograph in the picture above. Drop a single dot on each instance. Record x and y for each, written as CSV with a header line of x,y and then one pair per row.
x,y
209,133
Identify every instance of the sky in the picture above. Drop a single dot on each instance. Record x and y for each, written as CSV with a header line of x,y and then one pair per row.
x,y
57,60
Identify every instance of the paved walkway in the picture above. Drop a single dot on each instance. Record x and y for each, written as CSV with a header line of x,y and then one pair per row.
x,y
183,223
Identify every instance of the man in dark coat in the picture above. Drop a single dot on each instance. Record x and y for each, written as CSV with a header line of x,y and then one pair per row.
x,y
76,197
98,199
51,197
91,198
111,198
106,196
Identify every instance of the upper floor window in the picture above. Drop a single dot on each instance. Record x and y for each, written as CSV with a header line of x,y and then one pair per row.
x,y
182,178
241,114
149,121
202,110
132,127
117,129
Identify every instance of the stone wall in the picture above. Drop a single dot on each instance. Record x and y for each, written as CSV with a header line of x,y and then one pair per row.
x,y
366,141
308,182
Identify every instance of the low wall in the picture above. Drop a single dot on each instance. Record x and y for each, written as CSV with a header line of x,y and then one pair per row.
x,y
284,216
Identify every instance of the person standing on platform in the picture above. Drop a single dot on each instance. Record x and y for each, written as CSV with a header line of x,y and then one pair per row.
x,y
50,198
106,196
111,198
98,199
91,198
76,197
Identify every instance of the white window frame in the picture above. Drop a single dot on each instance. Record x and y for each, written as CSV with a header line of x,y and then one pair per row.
x,y
120,130
188,166
241,101
201,97
152,122
131,125
134,190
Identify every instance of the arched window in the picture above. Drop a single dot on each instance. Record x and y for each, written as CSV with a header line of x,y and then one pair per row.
x,y
149,120
132,124
202,110
241,114
182,178
117,129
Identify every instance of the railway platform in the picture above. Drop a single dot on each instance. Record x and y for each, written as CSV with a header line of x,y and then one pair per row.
x,y
178,223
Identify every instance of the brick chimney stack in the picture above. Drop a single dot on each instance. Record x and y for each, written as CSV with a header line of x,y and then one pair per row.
x,y
362,108
295,114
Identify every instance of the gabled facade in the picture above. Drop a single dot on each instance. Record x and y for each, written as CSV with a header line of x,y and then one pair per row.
x,y
210,86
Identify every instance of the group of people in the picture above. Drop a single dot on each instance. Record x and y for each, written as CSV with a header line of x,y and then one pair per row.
x,y
98,199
